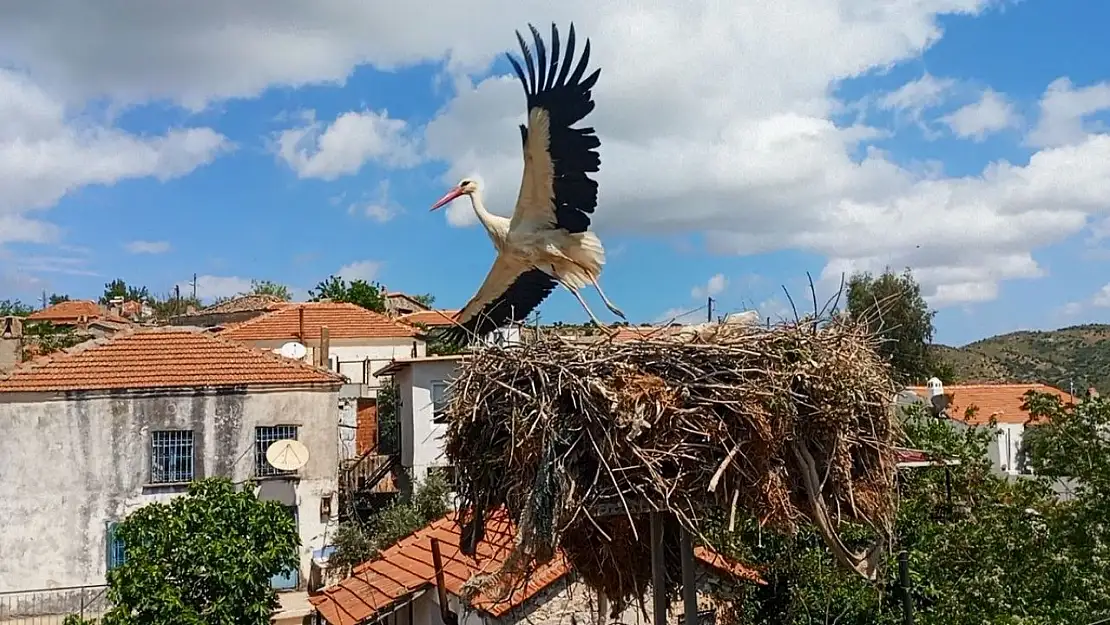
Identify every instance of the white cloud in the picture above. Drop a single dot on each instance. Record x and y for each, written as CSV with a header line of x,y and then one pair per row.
x,y
212,287
360,270
1102,298
1063,112
990,114
712,287
343,147
147,247
47,152
380,208
730,132
914,98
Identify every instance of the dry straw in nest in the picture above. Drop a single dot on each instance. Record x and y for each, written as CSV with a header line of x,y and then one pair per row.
x,y
788,424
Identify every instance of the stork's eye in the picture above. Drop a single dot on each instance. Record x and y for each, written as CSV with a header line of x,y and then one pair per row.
x,y
464,183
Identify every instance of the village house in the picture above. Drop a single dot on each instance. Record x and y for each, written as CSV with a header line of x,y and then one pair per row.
x,y
1002,402
422,385
360,341
84,316
398,304
92,433
232,311
399,586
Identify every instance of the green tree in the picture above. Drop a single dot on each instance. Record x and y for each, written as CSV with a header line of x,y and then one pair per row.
x,y
170,305
58,298
892,306
266,287
42,338
982,549
14,308
119,288
426,299
201,559
360,292
356,542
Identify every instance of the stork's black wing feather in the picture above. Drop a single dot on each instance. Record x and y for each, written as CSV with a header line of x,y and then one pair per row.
x,y
513,305
567,100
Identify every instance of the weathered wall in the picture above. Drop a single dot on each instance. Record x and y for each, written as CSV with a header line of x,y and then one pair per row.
x,y
71,464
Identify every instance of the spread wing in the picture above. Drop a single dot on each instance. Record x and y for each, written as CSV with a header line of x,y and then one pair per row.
x,y
556,190
510,292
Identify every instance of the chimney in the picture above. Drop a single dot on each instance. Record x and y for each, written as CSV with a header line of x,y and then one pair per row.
x,y
11,342
325,348
300,324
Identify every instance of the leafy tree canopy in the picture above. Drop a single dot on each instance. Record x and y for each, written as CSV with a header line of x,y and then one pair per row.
x,y
426,299
201,559
119,288
266,287
58,298
982,549
360,292
892,305
356,542
14,307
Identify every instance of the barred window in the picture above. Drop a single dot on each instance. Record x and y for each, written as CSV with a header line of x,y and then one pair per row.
x,y
116,553
264,436
171,456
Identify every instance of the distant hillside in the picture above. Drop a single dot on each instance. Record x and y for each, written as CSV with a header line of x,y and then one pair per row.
x,y
1079,355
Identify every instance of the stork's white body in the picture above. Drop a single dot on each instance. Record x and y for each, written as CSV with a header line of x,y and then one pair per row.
x,y
549,230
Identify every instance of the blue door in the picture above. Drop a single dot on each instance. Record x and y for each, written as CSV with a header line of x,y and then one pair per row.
x,y
287,580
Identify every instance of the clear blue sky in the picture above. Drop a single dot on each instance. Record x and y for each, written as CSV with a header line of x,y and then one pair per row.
x,y
741,148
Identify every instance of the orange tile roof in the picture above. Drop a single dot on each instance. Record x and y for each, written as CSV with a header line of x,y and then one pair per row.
x,y
1003,401
344,321
160,358
431,318
72,311
406,568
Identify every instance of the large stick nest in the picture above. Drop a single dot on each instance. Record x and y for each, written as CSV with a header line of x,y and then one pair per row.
x,y
790,424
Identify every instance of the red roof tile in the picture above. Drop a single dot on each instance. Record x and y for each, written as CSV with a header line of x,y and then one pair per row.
x,y
1003,401
160,358
72,311
431,318
406,568
344,321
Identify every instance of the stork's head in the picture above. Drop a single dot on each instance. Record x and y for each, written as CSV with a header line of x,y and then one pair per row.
x,y
466,186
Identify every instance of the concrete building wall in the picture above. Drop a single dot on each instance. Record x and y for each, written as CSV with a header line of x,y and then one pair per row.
x,y
72,463
421,437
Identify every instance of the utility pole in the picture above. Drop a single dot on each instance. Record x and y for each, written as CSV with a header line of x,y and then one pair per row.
x,y
709,309
44,298
194,286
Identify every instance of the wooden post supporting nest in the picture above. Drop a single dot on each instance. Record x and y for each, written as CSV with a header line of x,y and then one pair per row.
x,y
658,574
689,585
448,616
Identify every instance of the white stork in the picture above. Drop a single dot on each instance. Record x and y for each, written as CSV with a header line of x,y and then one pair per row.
x,y
547,241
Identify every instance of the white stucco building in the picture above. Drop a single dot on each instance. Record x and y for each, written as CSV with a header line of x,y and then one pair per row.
x,y
360,341
422,385
91,434
1001,402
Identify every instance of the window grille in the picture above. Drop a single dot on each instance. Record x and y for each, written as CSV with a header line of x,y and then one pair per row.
x,y
264,436
116,553
171,456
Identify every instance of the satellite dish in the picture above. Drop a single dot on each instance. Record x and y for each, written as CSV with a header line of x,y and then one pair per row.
x,y
287,454
293,350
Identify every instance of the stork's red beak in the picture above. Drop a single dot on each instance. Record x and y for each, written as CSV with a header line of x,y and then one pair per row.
x,y
451,195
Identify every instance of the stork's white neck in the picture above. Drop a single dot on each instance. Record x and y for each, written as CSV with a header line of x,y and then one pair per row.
x,y
496,226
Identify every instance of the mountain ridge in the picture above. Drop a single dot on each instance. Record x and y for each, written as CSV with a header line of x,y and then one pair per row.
x,y
1071,358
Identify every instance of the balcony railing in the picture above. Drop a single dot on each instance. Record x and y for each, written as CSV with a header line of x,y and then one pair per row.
x,y
51,606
